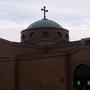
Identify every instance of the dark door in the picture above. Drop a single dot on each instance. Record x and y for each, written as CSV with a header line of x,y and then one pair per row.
x,y
81,77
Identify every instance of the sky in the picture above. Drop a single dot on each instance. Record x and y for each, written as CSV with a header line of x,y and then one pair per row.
x,y
17,15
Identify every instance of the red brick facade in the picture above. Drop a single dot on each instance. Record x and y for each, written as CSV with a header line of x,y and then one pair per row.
x,y
45,64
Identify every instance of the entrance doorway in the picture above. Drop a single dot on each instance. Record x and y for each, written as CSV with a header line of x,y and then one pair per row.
x,y
81,77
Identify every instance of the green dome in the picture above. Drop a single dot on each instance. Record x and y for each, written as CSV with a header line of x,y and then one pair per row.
x,y
44,23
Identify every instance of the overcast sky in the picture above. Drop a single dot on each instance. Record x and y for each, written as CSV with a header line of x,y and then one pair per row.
x,y
16,15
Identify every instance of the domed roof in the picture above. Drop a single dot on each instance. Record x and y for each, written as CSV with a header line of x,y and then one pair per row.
x,y
44,23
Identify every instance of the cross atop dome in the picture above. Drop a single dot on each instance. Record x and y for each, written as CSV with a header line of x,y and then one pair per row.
x,y
44,9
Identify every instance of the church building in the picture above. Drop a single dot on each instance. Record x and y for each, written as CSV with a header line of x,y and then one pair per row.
x,y
45,59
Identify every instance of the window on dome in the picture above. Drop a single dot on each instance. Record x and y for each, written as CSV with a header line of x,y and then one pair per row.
x,y
67,37
45,34
59,34
31,34
23,37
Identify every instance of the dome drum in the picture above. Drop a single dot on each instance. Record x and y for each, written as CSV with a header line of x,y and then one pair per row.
x,y
44,33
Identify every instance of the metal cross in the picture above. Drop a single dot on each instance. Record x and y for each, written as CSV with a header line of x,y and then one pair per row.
x,y
44,9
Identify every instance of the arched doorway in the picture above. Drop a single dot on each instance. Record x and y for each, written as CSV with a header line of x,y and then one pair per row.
x,y
81,77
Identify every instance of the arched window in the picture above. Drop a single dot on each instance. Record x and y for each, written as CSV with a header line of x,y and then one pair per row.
x,y
23,37
67,37
45,33
31,34
59,34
